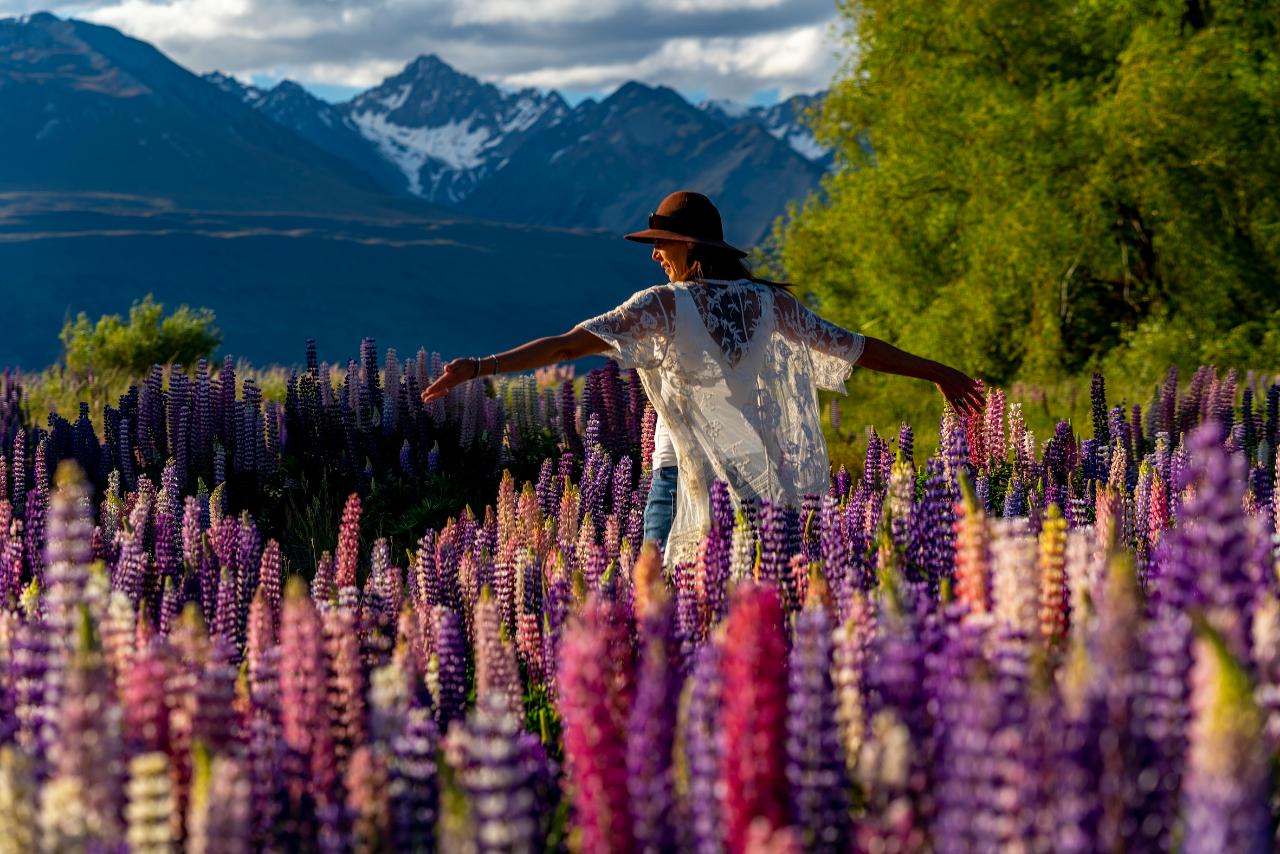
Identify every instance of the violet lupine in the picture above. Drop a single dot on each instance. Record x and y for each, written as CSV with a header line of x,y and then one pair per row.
x,y
1206,555
1224,794
499,783
33,665
413,785
754,714
932,541
651,731
451,666
592,704
815,759
701,750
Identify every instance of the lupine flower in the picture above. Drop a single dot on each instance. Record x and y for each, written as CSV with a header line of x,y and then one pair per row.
x,y
413,785
349,543
451,666
497,780
815,761
754,714
652,730
496,670
594,740
1225,790
700,751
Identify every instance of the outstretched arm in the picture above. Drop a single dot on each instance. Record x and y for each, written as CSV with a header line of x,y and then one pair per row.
x,y
960,391
574,344
799,323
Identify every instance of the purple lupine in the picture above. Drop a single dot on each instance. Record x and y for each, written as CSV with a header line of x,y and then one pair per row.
x,y
414,782
815,761
451,665
651,731
932,525
33,666
700,738
497,780
773,544
1205,557
1015,499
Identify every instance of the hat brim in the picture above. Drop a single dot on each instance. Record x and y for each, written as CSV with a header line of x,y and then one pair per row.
x,y
651,235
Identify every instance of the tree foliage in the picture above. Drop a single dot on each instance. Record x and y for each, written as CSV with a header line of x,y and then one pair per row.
x,y
1053,186
149,338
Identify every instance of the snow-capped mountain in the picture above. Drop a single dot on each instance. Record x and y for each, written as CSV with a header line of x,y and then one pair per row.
x,y
447,132
435,133
610,162
783,120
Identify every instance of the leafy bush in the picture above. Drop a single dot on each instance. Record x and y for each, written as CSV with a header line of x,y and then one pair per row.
x,y
149,338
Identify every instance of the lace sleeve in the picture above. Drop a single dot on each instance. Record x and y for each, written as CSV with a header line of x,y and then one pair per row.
x,y
639,330
833,349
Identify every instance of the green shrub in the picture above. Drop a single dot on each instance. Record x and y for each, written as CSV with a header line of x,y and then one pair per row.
x,y
149,338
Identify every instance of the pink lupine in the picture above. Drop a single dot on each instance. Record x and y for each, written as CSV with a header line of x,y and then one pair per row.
x,y
754,714
594,729
349,543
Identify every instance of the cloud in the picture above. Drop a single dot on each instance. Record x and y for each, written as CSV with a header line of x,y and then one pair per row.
x,y
723,48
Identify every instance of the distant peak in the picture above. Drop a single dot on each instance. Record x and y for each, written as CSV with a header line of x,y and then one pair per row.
x,y
429,62
37,18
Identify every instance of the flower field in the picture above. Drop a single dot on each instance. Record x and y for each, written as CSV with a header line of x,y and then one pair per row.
x,y
1057,643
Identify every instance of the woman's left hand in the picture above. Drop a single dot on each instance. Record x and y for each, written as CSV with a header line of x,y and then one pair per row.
x,y
456,372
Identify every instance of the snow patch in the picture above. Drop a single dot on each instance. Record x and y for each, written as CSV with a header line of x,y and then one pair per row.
x,y
456,144
731,109
396,100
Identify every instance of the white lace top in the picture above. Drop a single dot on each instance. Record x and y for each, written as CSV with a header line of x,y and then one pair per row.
x,y
733,370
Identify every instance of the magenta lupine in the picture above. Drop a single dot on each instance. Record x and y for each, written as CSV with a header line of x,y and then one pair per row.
x,y
815,761
146,713
215,722
594,731
754,714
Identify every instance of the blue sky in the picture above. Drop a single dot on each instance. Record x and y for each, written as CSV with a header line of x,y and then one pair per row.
x,y
746,50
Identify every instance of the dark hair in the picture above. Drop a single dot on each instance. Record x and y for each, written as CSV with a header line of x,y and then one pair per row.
x,y
707,262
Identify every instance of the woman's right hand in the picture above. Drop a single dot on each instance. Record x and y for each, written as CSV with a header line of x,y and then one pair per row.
x,y
456,372
961,391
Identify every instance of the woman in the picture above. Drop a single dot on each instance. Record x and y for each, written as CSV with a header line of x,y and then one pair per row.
x,y
730,362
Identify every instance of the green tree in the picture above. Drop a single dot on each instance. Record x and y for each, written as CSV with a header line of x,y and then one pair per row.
x,y
1052,186
113,346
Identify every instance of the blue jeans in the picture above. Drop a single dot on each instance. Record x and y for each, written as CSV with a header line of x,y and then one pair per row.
x,y
661,509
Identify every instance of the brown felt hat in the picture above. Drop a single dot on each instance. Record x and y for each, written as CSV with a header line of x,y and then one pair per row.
x,y
688,217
